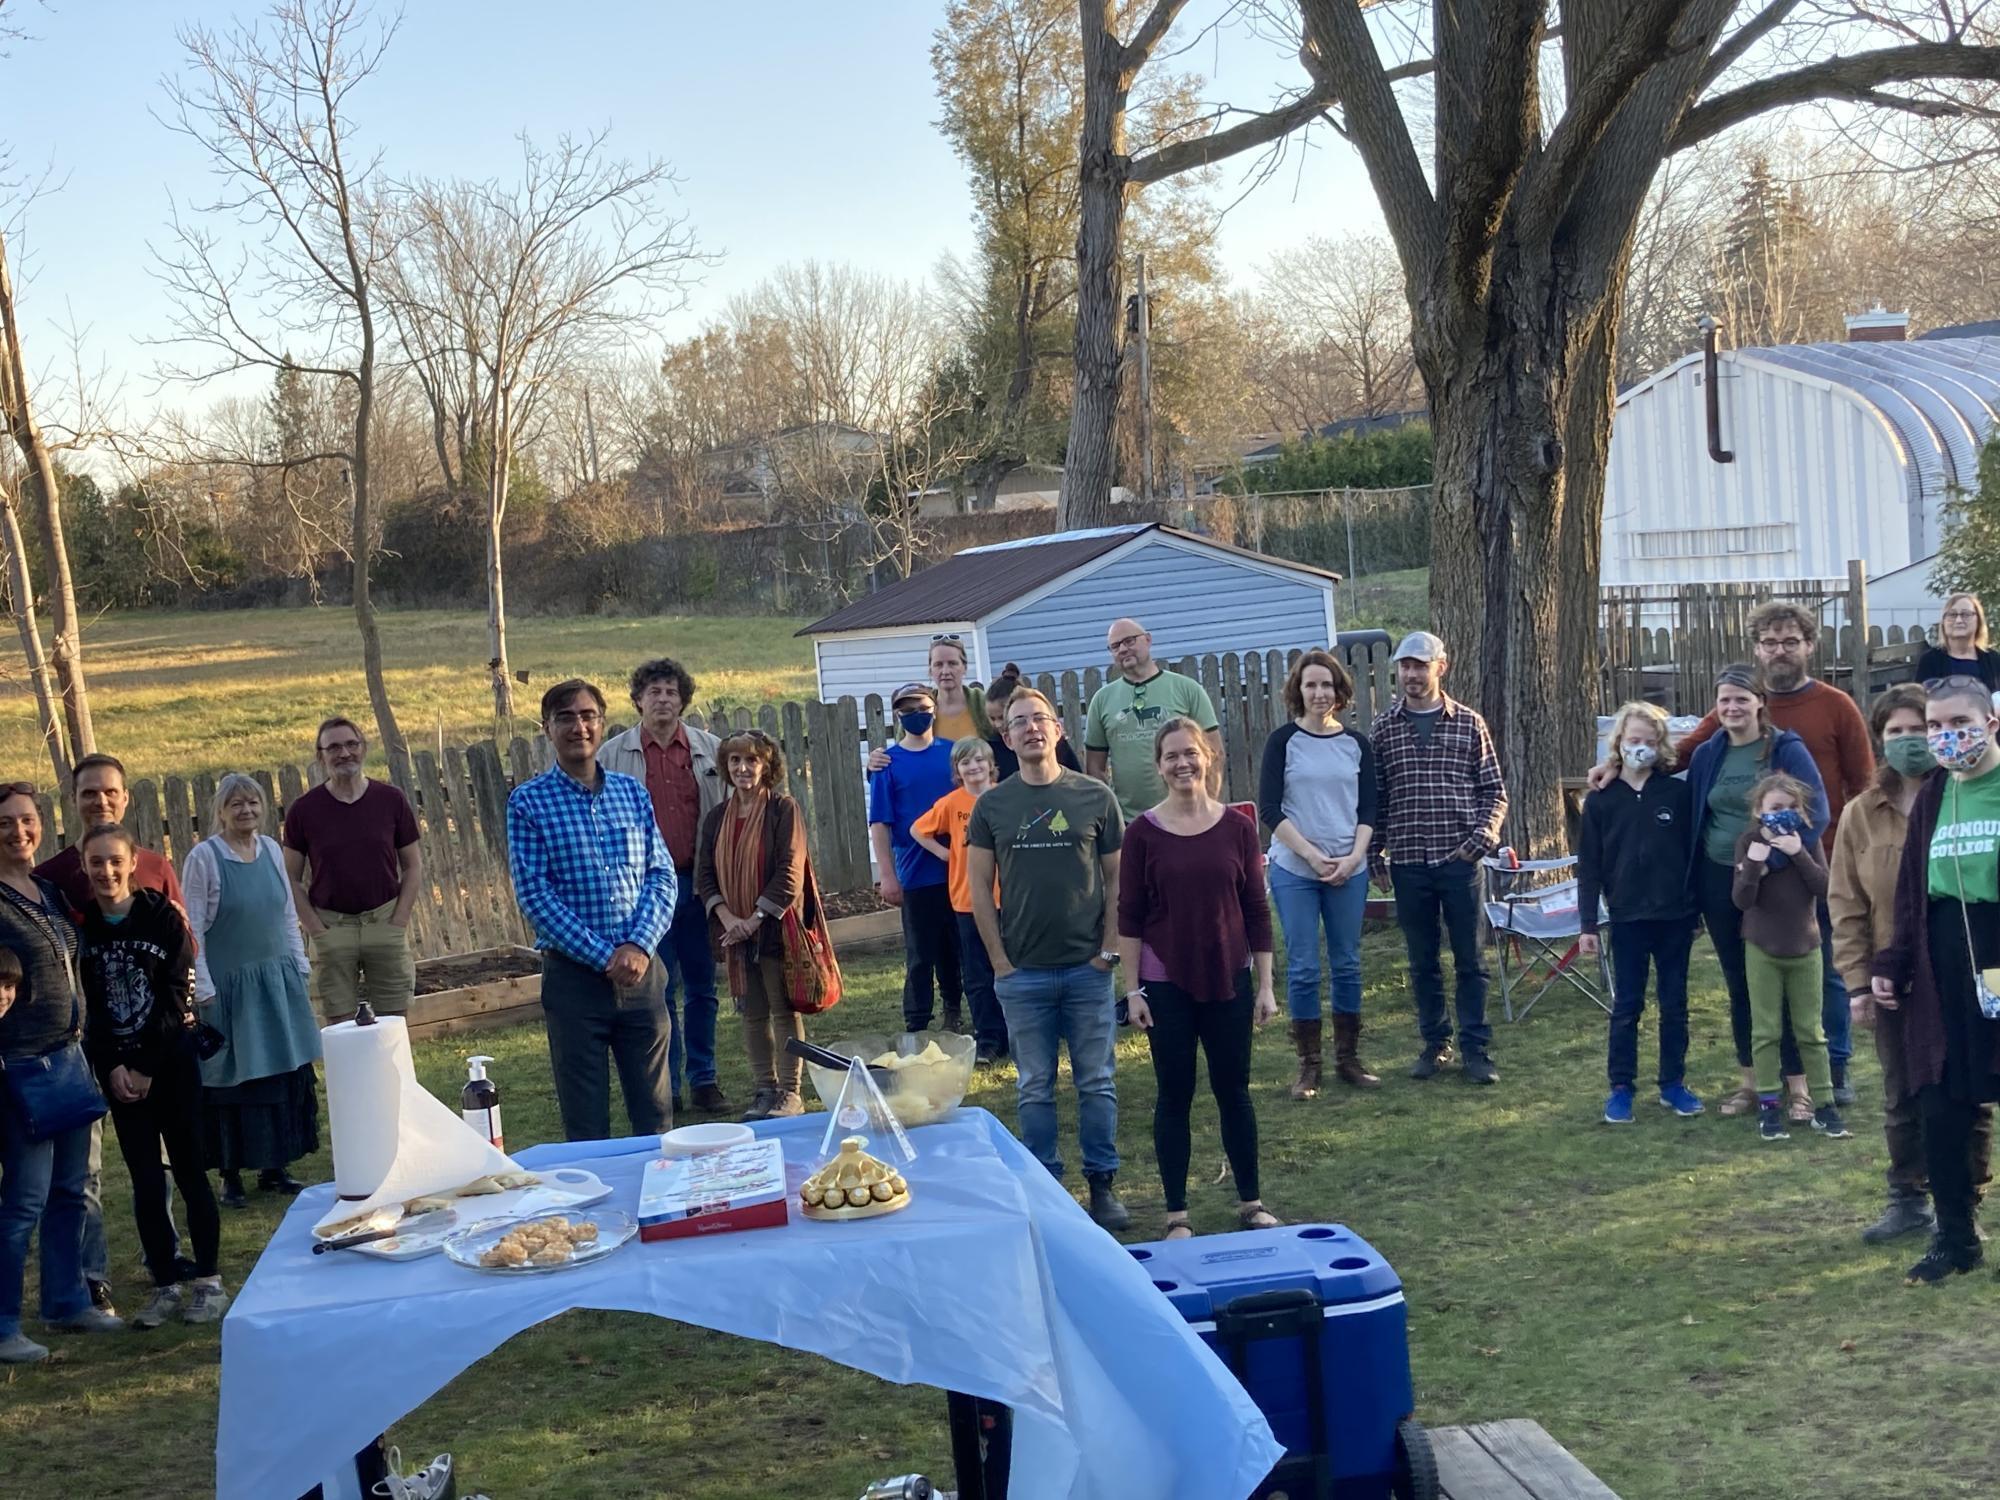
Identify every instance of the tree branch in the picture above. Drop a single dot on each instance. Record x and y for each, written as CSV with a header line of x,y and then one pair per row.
x,y
1206,150
1745,37
1855,78
1133,55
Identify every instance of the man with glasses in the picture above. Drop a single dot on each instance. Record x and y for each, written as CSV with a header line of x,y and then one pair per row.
x,y
915,778
97,783
1126,713
595,880
676,761
1053,836
1836,736
356,867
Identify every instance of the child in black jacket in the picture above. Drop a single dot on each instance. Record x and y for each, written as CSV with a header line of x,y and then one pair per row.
x,y
137,963
1633,855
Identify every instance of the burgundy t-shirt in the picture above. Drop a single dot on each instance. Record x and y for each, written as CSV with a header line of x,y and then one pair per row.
x,y
1197,900
150,872
350,847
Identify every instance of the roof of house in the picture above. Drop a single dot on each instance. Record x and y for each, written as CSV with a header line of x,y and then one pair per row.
x,y
972,584
1985,330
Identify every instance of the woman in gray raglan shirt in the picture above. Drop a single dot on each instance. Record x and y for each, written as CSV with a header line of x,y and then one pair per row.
x,y
1317,795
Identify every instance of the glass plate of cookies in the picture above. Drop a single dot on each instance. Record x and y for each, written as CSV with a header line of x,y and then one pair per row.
x,y
544,1243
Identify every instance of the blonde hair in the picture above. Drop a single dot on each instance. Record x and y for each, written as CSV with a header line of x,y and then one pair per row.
x,y
1979,636
227,790
963,750
1650,714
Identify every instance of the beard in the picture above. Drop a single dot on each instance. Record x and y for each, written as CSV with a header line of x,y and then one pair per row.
x,y
1784,676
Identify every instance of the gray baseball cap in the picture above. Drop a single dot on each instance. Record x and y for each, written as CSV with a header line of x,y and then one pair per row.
x,y
1420,645
914,690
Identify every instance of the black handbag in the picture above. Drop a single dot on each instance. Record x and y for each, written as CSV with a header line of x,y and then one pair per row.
x,y
55,1091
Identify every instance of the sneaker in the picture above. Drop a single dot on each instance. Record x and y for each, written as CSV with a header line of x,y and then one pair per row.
x,y
166,1302
1478,1068
1906,1214
1943,1260
19,1349
1826,1120
1771,1124
90,1320
1681,1099
1618,1108
100,1298
1431,1060
207,1302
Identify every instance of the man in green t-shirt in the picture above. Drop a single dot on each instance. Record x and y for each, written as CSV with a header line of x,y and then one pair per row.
x,y
1053,838
1127,713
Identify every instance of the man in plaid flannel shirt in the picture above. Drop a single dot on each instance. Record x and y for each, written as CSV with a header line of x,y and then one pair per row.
x,y
1442,804
593,876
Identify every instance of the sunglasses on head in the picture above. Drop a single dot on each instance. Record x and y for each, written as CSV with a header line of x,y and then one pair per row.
x,y
1958,682
17,789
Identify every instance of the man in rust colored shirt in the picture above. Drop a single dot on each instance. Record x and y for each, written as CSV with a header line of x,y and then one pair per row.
x,y
1784,636
676,761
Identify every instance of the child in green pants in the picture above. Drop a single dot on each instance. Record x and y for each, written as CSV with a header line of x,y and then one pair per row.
x,y
1780,881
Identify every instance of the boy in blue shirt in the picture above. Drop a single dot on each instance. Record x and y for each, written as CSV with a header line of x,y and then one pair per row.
x,y
908,875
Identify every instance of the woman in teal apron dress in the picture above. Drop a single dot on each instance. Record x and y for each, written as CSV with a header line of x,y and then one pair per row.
x,y
250,984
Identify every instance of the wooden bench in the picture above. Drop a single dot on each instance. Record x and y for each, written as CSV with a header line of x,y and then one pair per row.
x,y
1512,1460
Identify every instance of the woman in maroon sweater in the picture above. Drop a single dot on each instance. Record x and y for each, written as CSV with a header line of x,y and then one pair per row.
x,y
1193,923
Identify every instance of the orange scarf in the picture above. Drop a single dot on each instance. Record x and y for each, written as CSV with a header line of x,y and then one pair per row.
x,y
740,876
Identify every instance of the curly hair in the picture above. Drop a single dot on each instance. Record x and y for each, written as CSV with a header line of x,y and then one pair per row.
x,y
1778,781
1651,715
663,669
758,744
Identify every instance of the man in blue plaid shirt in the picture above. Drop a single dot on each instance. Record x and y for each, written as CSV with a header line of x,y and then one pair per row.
x,y
595,880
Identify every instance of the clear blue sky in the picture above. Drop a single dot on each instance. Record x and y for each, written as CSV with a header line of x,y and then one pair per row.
x,y
798,129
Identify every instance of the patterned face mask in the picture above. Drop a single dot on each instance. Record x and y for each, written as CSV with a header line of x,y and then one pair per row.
x,y
1638,756
1960,749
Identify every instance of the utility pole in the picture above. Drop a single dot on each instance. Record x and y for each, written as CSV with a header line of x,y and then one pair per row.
x,y
1143,332
590,433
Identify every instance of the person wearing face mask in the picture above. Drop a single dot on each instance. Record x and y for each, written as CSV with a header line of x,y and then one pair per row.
x,y
1632,856
1866,856
918,775
1720,774
1940,970
961,707
1963,648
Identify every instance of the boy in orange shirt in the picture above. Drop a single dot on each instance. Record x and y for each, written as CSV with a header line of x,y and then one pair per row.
x,y
942,832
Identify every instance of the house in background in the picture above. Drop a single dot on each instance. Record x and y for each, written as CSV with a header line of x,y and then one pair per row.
x,y
1044,603
1781,464
817,462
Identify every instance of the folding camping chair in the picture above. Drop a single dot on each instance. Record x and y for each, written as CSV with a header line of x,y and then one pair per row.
x,y
1535,921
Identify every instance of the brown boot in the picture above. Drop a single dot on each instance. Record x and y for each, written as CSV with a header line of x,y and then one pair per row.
x,y
1347,1064
1306,1038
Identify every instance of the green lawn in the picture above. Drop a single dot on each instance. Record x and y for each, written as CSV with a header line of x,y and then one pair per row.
x,y
1396,602
1685,1308
182,692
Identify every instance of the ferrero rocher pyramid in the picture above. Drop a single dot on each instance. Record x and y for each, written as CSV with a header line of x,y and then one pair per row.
x,y
854,1185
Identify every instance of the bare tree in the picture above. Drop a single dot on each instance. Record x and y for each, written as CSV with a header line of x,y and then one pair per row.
x,y
269,106
1515,244
1344,297
507,287
17,408
48,700
1110,173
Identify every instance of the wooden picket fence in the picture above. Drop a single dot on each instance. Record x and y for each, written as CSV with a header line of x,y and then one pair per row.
x,y
460,792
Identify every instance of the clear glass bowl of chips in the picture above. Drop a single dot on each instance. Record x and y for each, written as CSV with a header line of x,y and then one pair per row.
x,y
541,1244
928,1072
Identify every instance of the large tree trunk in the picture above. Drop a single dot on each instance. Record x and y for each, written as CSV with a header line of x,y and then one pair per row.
x,y
47,706
1501,407
387,730
67,648
1091,458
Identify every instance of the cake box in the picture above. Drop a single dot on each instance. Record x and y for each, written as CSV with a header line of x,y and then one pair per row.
x,y
740,1187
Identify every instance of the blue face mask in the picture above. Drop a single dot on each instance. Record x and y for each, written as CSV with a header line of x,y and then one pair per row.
x,y
917,722
1785,820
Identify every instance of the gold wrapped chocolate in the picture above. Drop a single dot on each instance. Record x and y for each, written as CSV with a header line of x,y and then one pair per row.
x,y
854,1185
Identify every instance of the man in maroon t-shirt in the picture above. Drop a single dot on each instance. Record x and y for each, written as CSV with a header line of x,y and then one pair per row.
x,y
97,782
359,839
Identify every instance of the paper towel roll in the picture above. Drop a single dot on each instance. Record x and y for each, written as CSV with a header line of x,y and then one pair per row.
x,y
365,1069
392,1141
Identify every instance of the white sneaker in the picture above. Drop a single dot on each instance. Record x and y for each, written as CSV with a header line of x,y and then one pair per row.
x,y
206,1302
166,1302
19,1349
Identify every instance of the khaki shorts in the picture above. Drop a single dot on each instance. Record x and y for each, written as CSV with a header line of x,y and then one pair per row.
x,y
360,957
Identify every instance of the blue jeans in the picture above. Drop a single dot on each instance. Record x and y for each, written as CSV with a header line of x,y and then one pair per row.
x,y
41,1182
975,970
1304,906
1834,1017
1665,947
685,955
1044,1007
1433,903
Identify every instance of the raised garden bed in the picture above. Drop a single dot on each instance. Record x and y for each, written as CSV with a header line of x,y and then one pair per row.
x,y
476,991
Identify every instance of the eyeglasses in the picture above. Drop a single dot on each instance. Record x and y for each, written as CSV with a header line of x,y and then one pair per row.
x,y
1958,682
336,745
1960,615
17,789
1787,643
951,636
1127,640
1041,721
571,718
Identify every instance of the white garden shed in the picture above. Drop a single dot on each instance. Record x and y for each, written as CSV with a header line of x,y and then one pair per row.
x,y
1045,602
1770,464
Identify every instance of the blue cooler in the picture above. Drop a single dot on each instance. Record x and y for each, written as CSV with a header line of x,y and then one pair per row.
x,y
1311,1320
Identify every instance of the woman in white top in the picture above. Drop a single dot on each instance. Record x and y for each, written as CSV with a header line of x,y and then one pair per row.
x,y
250,972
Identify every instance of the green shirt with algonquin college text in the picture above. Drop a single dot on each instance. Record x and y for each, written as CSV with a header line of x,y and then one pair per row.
x,y
1965,850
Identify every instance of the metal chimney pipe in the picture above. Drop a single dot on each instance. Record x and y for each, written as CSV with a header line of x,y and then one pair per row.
x,y
1713,393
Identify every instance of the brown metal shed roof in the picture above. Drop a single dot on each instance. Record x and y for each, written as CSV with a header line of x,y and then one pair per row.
x,y
970,585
